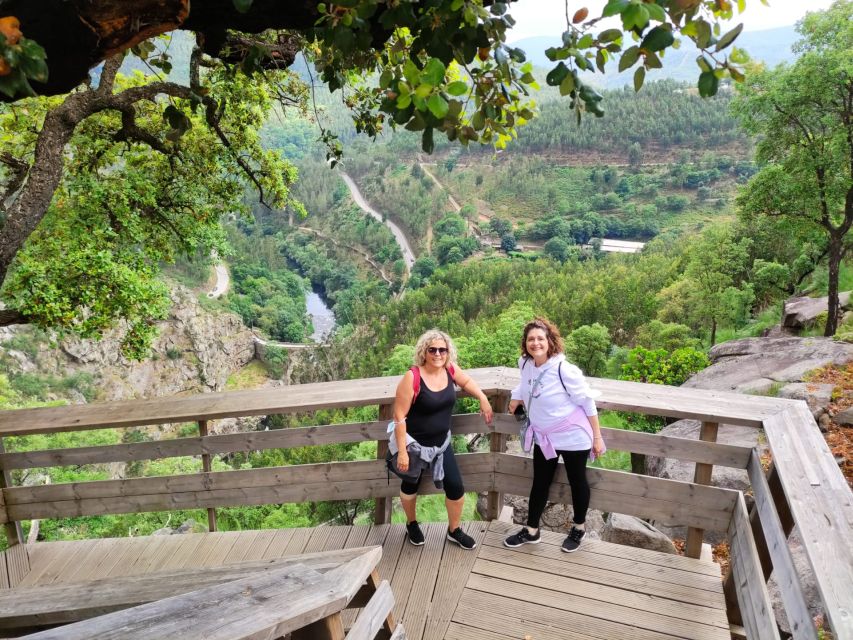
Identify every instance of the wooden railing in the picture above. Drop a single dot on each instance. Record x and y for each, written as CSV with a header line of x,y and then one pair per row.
x,y
804,486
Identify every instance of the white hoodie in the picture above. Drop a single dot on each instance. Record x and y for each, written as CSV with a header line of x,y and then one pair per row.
x,y
553,403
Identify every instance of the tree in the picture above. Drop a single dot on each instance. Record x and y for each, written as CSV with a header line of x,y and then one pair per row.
x,y
440,66
116,189
712,289
508,242
558,249
804,115
587,347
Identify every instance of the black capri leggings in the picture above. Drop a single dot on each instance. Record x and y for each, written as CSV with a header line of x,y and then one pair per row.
x,y
543,474
453,487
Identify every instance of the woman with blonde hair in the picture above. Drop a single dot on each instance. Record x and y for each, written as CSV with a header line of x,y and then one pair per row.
x,y
421,439
563,422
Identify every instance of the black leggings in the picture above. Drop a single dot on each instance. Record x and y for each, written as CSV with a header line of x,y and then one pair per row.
x,y
543,474
453,487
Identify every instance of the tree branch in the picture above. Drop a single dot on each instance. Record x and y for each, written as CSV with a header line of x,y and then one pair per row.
x,y
108,74
12,316
18,169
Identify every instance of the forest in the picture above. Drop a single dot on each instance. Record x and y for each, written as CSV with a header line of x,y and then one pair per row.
x,y
696,178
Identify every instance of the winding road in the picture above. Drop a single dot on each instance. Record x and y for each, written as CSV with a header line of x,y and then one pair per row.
x,y
408,254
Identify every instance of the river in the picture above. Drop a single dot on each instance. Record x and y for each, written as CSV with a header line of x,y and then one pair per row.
x,y
321,316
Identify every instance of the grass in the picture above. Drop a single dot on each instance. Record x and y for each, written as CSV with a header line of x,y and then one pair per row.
x,y
252,376
431,509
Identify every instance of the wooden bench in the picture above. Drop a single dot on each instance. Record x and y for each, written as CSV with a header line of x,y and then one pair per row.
x,y
302,596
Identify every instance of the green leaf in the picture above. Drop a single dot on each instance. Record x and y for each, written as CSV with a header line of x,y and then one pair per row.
x,y
657,39
609,35
423,90
656,12
601,59
639,78
703,33
704,64
708,84
437,105
458,88
629,58
727,39
557,75
567,85
433,72
613,7
242,5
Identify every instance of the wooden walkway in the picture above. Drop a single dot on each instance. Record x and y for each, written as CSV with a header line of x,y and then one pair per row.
x,y
442,591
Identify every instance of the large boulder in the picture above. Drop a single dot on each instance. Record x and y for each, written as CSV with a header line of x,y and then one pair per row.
x,y
817,396
803,312
807,582
631,531
755,365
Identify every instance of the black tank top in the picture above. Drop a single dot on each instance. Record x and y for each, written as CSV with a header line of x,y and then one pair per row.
x,y
428,420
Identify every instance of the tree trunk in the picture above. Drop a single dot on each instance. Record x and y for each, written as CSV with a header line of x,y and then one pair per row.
x,y
833,307
713,331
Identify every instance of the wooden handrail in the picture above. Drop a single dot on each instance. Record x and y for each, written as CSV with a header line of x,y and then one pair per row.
x,y
617,439
619,395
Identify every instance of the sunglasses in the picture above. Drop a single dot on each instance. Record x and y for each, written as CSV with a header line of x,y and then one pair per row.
x,y
437,350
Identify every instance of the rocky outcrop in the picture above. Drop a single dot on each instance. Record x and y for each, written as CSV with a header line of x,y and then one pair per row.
x,y
756,365
195,351
803,312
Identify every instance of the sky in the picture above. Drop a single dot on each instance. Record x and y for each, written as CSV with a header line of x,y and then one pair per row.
x,y
548,17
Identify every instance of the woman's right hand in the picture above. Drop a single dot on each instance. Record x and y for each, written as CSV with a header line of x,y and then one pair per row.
x,y
403,461
513,405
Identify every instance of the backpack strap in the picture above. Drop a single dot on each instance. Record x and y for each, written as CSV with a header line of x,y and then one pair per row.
x,y
416,381
560,373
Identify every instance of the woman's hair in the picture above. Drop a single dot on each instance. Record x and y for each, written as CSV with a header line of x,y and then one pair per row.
x,y
424,342
552,333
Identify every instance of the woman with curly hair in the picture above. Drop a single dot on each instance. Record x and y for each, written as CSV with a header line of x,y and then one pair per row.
x,y
421,439
563,422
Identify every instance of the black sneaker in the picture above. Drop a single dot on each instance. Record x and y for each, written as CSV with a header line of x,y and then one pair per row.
x,y
416,536
573,540
522,537
461,538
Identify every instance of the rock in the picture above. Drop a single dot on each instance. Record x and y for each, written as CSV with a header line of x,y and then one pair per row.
x,y
823,422
817,396
807,582
631,531
190,526
740,364
165,531
556,517
801,313
844,418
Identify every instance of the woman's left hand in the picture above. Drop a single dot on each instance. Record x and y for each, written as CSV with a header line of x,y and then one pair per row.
x,y
597,446
486,410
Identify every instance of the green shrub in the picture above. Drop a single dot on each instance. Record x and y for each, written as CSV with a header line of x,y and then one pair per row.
x,y
657,366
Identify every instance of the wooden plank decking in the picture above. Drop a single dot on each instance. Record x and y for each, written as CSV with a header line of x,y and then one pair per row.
x,y
442,591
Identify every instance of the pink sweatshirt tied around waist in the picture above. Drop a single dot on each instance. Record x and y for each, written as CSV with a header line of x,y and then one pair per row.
x,y
576,419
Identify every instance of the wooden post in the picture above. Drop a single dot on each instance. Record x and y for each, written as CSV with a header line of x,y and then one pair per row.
x,y
14,533
329,628
205,466
702,475
497,444
382,511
